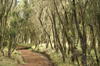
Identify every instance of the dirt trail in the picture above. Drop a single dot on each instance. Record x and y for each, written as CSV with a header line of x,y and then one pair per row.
x,y
34,59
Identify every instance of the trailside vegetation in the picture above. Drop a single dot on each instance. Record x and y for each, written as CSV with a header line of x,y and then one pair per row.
x,y
71,28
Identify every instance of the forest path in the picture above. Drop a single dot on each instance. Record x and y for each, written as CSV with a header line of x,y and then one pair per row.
x,y
33,59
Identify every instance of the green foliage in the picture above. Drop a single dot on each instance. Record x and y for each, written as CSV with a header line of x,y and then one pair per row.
x,y
12,33
21,20
27,12
5,43
15,3
5,15
14,13
33,3
16,18
22,62
33,33
25,3
10,14
5,61
69,33
14,23
27,45
6,33
9,62
46,16
54,56
14,45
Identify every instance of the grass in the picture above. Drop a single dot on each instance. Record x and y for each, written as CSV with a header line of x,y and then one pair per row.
x,y
25,44
55,57
23,62
5,61
13,61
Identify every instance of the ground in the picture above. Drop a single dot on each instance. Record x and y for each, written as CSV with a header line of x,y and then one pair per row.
x,y
33,59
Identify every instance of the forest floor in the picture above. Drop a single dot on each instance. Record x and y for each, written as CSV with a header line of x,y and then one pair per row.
x,y
33,59
54,57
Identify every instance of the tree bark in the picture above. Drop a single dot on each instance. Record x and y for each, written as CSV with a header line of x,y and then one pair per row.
x,y
82,38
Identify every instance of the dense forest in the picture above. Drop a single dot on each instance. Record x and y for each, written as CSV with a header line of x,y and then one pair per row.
x,y
70,27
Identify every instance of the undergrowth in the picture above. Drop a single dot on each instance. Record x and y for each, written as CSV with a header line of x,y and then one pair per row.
x,y
54,56
13,61
57,57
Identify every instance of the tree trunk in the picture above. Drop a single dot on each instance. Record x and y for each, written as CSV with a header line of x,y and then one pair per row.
x,y
9,48
82,38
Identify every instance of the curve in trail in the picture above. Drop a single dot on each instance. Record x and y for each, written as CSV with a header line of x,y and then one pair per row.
x,y
33,59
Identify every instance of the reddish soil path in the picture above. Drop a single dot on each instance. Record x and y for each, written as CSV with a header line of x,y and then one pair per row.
x,y
34,59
